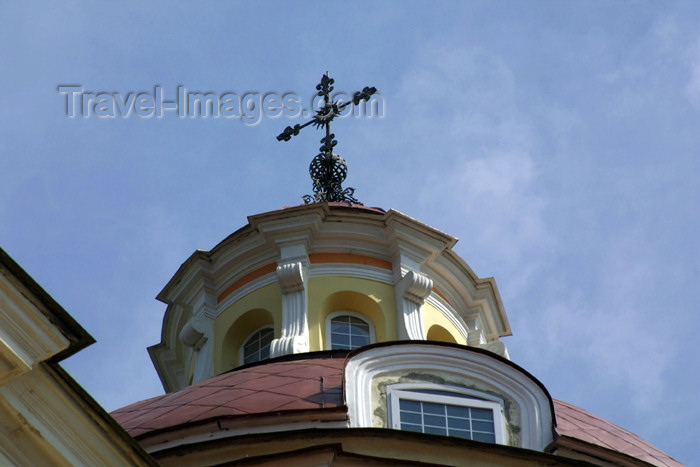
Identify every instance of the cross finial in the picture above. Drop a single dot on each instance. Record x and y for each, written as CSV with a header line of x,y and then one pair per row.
x,y
328,170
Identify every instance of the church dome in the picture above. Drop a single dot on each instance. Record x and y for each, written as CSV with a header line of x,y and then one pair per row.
x,y
337,334
306,392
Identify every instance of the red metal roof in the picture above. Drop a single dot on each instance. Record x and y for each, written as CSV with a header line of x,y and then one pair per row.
x,y
278,387
317,383
575,422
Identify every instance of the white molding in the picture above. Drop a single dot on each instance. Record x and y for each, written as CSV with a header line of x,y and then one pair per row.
x,y
528,397
52,413
359,271
26,334
411,292
245,289
294,336
335,314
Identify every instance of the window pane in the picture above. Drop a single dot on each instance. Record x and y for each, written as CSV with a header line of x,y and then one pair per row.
x,y
265,352
348,332
429,407
485,437
413,406
434,420
257,347
455,411
482,414
459,423
410,417
435,431
486,427
416,428
460,434
358,333
360,341
340,339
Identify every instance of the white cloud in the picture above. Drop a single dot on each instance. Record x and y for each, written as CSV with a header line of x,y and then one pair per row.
x,y
471,139
607,333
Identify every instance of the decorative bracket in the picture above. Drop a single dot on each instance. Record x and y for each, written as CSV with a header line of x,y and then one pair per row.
x,y
295,330
193,333
291,277
411,292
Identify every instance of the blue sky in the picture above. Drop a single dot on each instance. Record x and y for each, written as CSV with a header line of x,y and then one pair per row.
x,y
558,140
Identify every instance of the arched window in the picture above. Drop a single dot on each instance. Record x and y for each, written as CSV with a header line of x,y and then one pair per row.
x,y
348,330
257,346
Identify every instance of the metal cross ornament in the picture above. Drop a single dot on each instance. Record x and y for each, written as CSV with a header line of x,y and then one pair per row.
x,y
328,170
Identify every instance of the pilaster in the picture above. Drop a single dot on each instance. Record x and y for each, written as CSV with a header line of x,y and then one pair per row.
x,y
292,274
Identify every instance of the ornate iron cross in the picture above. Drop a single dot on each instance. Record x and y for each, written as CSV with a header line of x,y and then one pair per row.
x,y
328,170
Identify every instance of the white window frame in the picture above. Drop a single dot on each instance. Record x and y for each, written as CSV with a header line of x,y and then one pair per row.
x,y
241,352
336,314
462,397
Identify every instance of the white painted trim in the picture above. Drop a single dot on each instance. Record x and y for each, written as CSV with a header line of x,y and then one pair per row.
x,y
360,271
335,314
244,290
530,400
59,422
395,392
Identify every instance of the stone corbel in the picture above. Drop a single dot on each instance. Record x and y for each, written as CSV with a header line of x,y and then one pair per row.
x,y
193,333
291,277
295,331
411,292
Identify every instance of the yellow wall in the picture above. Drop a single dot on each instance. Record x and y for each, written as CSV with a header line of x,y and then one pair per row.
x,y
437,327
255,310
374,300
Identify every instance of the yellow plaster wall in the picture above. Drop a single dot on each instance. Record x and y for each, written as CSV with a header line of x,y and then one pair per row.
x,y
437,327
257,309
374,300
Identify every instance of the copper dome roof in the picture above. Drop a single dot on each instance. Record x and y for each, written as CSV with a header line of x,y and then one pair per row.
x,y
314,384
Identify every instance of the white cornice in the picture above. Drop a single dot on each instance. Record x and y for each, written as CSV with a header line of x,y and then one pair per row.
x,y
359,271
54,417
26,334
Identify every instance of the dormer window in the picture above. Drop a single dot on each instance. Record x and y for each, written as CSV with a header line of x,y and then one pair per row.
x,y
348,330
446,411
257,346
